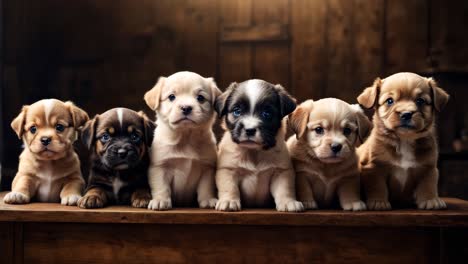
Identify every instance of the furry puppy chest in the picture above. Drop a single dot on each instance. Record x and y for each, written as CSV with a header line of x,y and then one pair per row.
x,y
398,161
118,140
254,167
323,152
49,168
183,157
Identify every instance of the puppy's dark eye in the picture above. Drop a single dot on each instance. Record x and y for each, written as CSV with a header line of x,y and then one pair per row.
x,y
347,131
201,98
59,128
135,138
237,112
33,129
265,114
171,97
319,130
105,138
389,101
420,102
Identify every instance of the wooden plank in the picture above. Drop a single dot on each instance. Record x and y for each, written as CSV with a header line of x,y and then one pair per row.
x,y
234,58
454,248
456,215
73,243
308,56
406,36
18,243
272,61
7,239
267,32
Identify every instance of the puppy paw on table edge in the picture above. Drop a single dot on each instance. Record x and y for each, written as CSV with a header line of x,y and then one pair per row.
x,y
71,199
432,204
208,203
355,206
378,205
309,205
228,205
16,198
90,202
290,206
140,202
160,204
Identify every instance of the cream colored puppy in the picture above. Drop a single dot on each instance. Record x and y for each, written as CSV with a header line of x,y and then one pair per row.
x,y
183,153
323,152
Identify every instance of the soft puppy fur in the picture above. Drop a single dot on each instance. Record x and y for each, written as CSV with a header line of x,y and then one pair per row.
x,y
254,168
323,152
183,157
49,168
119,141
398,161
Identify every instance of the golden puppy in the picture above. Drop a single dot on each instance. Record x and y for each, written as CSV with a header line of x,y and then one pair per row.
x,y
183,153
323,152
49,168
398,161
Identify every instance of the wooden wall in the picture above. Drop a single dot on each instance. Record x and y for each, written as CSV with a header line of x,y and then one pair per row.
x,y
103,54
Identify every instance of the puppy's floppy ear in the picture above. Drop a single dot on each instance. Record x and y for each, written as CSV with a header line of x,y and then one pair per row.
x,y
153,96
79,116
440,96
215,92
288,103
368,97
298,119
18,123
364,124
220,105
88,132
149,128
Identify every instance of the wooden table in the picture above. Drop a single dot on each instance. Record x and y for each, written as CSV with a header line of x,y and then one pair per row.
x,y
51,233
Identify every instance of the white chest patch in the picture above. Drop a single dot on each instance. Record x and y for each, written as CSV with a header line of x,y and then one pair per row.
x,y
407,161
120,116
48,106
117,184
44,191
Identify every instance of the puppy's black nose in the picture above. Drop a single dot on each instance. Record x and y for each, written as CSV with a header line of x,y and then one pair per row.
x,y
335,147
45,141
250,132
186,110
406,116
122,153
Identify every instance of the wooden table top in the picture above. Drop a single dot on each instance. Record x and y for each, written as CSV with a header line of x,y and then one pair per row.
x,y
455,216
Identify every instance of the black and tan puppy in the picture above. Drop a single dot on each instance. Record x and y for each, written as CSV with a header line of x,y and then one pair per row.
x,y
118,140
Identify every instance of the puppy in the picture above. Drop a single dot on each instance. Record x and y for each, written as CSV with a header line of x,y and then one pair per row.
x,y
398,161
49,168
183,155
253,161
118,140
323,152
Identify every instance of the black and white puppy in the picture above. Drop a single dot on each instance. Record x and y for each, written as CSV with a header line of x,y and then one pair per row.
x,y
253,161
118,140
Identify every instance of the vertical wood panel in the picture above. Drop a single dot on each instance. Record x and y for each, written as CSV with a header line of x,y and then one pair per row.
x,y
7,238
2,58
308,59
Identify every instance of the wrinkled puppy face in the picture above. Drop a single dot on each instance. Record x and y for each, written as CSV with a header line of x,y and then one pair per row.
x,y
253,111
330,127
119,137
48,127
405,102
183,100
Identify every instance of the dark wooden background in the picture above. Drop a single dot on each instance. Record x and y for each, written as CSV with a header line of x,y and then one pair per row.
x,y
103,54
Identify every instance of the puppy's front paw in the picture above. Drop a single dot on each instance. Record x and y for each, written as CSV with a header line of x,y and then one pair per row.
x,y
141,202
432,204
160,204
354,206
309,205
379,205
91,201
208,203
71,199
290,206
228,205
16,198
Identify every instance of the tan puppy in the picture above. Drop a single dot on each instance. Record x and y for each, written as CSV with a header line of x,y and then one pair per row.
x,y
323,152
254,167
398,161
49,168
183,153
